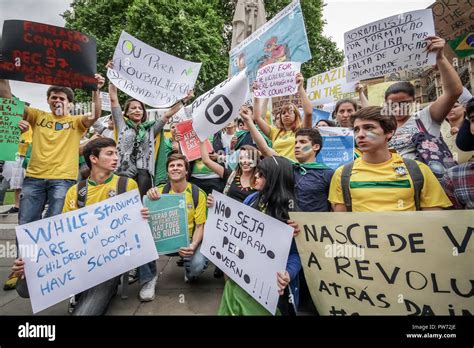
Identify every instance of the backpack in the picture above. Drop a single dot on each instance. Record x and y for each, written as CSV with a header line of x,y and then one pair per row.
x,y
432,151
194,192
82,190
413,170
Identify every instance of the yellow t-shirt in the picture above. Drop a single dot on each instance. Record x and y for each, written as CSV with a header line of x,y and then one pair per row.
x,y
284,143
55,152
25,140
95,193
196,216
378,187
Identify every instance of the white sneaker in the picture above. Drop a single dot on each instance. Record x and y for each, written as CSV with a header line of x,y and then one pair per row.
x,y
147,292
186,280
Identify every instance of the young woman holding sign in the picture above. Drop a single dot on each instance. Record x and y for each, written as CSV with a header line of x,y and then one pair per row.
x,y
275,197
289,120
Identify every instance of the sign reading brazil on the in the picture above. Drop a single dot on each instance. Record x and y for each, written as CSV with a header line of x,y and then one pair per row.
x,y
42,53
247,245
147,74
213,110
390,263
72,252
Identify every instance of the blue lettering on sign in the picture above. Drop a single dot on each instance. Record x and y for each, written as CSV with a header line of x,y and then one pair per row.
x,y
56,282
105,210
112,254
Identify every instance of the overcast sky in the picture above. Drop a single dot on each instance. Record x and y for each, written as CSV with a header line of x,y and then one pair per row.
x,y
341,16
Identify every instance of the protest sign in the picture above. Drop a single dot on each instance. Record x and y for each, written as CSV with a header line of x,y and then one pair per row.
x,y
319,115
279,102
389,45
388,263
168,222
247,245
338,146
281,39
75,251
105,99
330,86
189,142
42,53
376,93
453,18
213,110
11,113
147,74
277,79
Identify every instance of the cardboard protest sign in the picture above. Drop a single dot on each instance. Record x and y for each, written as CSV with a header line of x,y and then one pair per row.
x,y
189,142
389,45
453,18
11,113
338,146
277,79
279,102
105,99
248,246
147,74
281,39
75,251
168,222
330,86
391,263
42,53
213,110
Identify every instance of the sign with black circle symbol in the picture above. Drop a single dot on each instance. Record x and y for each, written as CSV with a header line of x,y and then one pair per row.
x,y
219,110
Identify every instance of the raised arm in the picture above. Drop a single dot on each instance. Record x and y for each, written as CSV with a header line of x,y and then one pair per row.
x,y
364,102
88,121
176,107
262,145
452,86
215,167
259,109
113,95
306,103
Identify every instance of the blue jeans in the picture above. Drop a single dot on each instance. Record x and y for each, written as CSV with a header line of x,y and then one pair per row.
x,y
96,300
193,266
36,192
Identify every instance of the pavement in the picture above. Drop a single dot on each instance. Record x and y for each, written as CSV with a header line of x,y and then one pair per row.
x,y
173,295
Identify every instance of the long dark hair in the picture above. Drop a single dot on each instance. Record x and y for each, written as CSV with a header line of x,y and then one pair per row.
x,y
278,195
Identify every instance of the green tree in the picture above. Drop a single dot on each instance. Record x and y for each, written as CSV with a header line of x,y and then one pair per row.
x,y
195,30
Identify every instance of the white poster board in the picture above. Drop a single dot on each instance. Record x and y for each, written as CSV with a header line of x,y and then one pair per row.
x,y
105,99
80,249
213,110
154,77
330,86
248,246
389,45
277,79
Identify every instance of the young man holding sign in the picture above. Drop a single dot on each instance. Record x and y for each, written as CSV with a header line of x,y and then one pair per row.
x,y
194,262
53,167
101,157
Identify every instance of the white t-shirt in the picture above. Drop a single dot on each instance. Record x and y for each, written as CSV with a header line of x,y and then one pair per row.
x,y
402,139
226,139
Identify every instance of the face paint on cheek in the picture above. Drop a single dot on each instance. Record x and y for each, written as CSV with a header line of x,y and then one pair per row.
x,y
372,135
306,148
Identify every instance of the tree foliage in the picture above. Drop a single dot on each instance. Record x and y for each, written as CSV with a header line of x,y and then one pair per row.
x,y
195,30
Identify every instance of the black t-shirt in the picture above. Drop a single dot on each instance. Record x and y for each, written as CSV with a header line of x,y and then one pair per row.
x,y
236,191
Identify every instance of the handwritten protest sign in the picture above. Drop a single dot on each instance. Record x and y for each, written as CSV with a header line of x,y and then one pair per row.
x,y
80,249
389,45
338,146
453,18
391,263
11,113
330,86
154,77
189,142
281,39
42,53
168,222
279,102
277,79
105,99
248,246
213,110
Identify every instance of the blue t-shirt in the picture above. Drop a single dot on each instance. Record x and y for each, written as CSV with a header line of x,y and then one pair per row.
x,y
312,189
